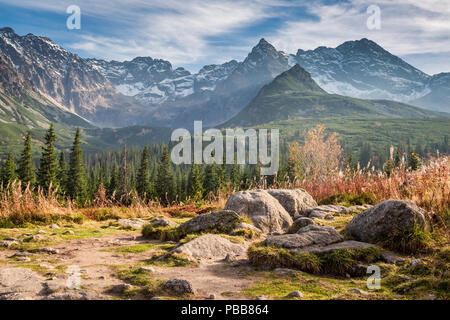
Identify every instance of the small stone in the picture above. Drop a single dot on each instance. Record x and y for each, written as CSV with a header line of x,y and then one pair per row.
x,y
42,231
391,258
285,271
430,296
359,270
347,276
7,244
416,262
54,226
311,281
263,298
359,291
68,232
24,259
147,269
295,294
329,217
212,297
102,277
178,286
119,288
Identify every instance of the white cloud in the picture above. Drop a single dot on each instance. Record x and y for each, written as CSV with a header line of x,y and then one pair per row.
x,y
181,30
407,26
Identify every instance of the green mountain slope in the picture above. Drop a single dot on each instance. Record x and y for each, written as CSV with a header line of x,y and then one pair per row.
x,y
295,95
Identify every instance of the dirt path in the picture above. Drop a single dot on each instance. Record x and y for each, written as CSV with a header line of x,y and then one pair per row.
x,y
96,259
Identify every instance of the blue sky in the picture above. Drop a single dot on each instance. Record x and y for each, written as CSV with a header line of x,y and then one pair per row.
x,y
193,33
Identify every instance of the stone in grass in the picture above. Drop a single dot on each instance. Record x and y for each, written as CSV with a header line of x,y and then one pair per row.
x,y
163,222
307,236
211,246
295,295
119,288
379,222
266,213
132,223
178,286
68,232
391,258
223,221
54,226
147,269
359,291
7,243
286,271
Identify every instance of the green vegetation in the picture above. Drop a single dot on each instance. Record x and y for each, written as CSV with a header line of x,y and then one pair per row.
x,y
348,199
412,240
338,262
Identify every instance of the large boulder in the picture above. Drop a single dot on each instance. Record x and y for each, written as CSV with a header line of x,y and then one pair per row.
x,y
265,211
22,281
293,200
321,211
307,236
223,221
211,246
378,222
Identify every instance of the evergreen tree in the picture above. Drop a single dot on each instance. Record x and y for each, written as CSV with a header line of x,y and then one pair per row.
x,y
62,174
26,170
196,183
165,182
235,176
413,161
113,181
76,184
211,183
8,173
48,170
143,178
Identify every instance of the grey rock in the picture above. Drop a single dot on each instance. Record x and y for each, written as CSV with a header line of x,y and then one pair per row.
x,y
349,244
379,222
134,223
53,286
285,271
266,213
301,222
329,217
20,280
211,246
54,226
359,270
243,225
119,288
220,220
68,232
75,295
178,286
7,243
359,291
295,294
391,258
147,269
293,200
321,211
306,236
44,250
23,259
163,222
263,298
212,297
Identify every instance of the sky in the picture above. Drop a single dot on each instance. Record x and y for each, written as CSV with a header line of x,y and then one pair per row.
x,y
194,33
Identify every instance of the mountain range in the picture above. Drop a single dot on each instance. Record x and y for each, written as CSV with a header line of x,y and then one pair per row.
x,y
41,82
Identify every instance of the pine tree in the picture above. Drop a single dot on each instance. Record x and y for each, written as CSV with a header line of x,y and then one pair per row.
x,y
26,170
76,184
413,161
48,170
113,181
165,183
235,176
143,178
211,183
196,183
62,173
8,173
